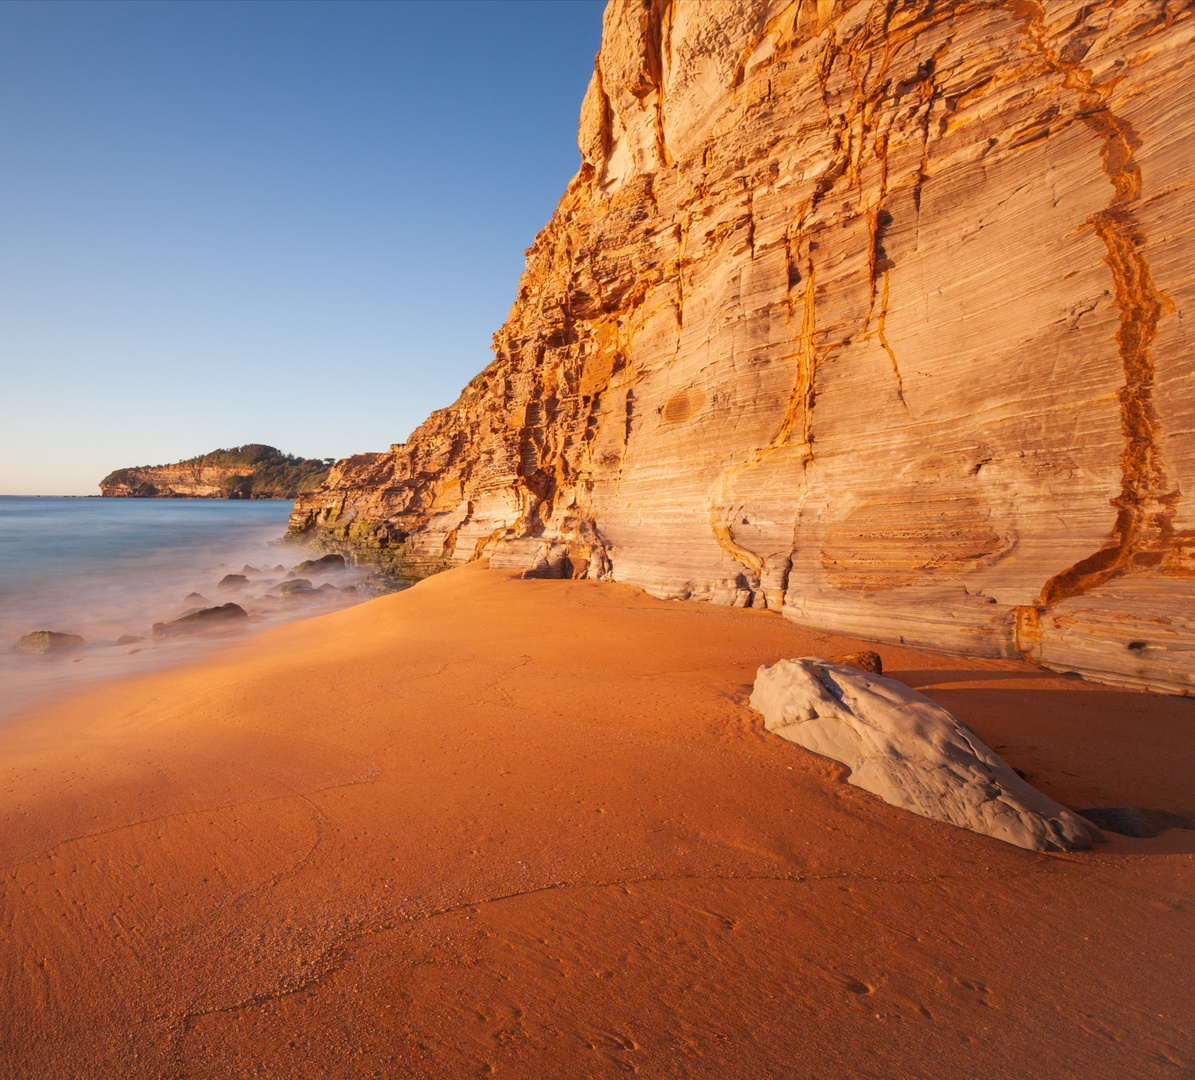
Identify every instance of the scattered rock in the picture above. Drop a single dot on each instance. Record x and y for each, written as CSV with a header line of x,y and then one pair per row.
x,y
43,642
247,569
328,562
864,660
349,590
327,587
233,581
298,585
1135,821
128,639
911,752
279,569
195,598
206,619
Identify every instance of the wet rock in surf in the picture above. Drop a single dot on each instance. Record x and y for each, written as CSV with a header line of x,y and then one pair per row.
x,y
911,752
49,642
213,618
232,581
296,587
327,562
195,598
128,639
247,569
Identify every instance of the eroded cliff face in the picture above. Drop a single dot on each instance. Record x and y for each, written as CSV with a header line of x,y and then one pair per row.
x,y
877,314
170,481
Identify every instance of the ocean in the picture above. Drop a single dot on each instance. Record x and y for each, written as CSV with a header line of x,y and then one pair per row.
x,y
107,569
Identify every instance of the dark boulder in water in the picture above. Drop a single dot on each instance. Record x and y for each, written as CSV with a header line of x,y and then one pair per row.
x,y
247,569
327,562
42,642
233,581
195,598
128,639
213,618
294,587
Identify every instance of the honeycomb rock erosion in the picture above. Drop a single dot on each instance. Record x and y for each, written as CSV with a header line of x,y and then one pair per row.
x,y
911,753
874,314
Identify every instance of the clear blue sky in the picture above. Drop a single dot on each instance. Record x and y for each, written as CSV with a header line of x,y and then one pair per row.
x,y
290,223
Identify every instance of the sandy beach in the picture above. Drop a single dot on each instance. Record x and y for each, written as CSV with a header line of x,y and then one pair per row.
x,y
497,827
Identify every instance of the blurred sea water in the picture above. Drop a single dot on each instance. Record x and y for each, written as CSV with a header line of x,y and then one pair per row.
x,y
111,568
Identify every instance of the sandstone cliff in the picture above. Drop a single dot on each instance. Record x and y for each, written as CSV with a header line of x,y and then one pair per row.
x,y
877,314
253,471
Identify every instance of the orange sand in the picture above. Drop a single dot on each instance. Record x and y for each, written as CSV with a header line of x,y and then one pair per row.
x,y
493,827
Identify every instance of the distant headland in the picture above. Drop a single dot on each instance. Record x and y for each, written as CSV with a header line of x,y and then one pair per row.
x,y
253,471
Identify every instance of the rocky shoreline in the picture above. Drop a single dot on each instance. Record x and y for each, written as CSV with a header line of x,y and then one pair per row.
x,y
252,596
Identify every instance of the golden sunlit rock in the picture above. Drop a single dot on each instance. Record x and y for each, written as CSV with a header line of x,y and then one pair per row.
x,y
873,314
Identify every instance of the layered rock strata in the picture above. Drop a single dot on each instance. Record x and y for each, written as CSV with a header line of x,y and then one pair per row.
x,y
874,314
911,753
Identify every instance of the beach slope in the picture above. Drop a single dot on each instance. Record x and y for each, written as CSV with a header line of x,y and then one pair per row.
x,y
500,827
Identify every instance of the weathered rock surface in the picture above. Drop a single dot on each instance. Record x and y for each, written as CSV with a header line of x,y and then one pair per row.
x,y
221,617
253,471
912,753
324,563
864,660
875,314
41,642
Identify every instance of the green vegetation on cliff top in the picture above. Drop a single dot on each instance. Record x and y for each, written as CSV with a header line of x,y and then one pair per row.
x,y
262,472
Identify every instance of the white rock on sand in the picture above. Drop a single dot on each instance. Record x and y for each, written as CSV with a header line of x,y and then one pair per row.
x,y
912,753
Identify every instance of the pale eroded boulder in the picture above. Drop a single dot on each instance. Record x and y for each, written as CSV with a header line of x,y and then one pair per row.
x,y
912,753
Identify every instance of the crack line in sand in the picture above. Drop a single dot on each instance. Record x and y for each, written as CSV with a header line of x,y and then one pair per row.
x,y
332,958
319,818
368,778
441,669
